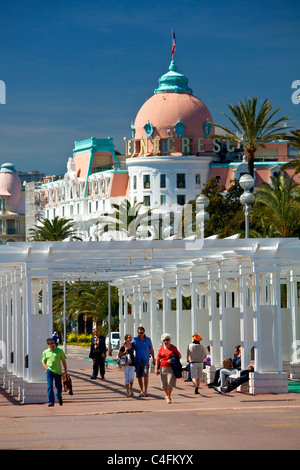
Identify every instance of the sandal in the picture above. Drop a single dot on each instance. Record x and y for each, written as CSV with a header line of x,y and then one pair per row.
x,y
141,394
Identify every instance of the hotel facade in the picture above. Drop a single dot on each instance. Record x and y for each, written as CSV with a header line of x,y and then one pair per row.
x,y
171,154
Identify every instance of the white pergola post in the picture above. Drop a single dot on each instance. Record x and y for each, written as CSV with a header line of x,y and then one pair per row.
x,y
243,318
256,321
222,319
153,318
194,304
121,314
178,314
9,326
165,301
18,369
211,299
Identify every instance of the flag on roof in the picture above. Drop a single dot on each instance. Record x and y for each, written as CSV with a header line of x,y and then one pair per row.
x,y
173,42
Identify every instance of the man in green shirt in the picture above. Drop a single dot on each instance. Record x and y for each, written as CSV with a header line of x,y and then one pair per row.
x,y
51,360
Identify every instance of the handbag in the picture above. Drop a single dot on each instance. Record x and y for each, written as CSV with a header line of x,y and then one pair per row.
x,y
227,363
124,360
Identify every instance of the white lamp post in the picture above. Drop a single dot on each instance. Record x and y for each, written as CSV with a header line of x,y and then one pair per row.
x,y
247,198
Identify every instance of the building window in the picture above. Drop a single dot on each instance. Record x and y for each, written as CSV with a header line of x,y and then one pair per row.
x,y
146,181
134,182
162,181
163,200
147,200
181,199
180,180
197,179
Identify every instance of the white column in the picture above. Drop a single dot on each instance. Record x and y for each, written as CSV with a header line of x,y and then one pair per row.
x,y
121,316
48,295
222,319
295,356
27,328
9,327
153,318
178,315
257,321
125,309
277,303
17,327
243,320
194,307
211,299
165,300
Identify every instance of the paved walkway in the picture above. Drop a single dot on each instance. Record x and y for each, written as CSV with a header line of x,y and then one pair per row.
x,y
100,416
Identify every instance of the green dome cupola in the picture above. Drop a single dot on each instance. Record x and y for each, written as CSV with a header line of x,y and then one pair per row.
x,y
173,82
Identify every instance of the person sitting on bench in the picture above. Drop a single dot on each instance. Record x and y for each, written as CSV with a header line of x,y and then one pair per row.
x,y
244,377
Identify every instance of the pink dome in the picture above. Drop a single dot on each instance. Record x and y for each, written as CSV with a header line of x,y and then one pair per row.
x,y
173,112
164,110
10,184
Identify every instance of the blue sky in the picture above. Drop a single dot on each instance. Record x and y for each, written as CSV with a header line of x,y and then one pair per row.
x,y
77,69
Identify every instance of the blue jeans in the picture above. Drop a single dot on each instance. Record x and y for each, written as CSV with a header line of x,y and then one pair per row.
x,y
58,385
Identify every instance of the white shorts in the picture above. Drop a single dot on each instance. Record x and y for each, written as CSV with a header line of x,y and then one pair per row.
x,y
196,370
129,374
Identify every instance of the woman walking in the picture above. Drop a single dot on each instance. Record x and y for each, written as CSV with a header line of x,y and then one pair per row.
x,y
128,348
163,361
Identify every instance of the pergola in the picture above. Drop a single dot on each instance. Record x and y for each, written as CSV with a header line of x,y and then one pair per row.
x,y
234,285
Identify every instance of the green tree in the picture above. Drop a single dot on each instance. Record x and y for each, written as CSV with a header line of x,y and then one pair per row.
x,y
90,298
223,207
126,219
278,206
57,229
252,126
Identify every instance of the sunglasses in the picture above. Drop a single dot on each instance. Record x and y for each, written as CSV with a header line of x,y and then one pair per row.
x,y
166,339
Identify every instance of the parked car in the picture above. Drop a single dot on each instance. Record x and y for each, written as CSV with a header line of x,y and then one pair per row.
x,y
114,340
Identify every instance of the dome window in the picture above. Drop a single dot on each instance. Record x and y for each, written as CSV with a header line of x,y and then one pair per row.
x,y
149,129
179,128
207,129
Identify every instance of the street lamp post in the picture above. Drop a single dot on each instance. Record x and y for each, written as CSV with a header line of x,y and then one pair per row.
x,y
202,216
247,198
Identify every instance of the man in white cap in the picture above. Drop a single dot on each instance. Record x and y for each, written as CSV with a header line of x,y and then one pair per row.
x,y
195,356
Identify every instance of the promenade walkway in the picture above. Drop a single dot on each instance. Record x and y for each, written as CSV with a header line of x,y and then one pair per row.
x,y
100,416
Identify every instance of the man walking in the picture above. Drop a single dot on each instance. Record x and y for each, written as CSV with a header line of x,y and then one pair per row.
x,y
143,349
51,360
98,353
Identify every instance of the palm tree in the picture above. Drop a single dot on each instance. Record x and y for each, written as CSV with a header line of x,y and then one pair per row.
x,y
294,140
126,219
253,127
90,298
278,205
57,229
